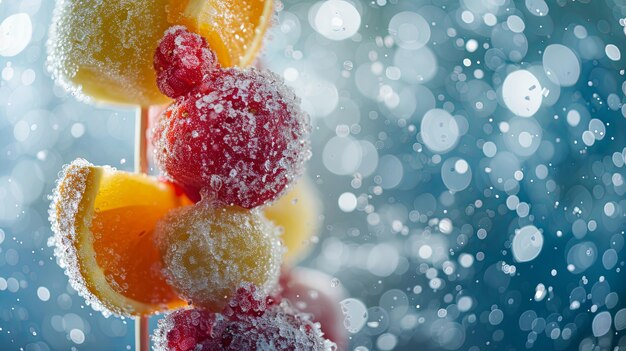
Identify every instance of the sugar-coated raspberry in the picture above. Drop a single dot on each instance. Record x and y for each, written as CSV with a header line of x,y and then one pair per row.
x,y
187,328
182,60
241,136
260,325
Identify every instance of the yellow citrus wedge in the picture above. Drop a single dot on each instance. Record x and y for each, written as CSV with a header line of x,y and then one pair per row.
x,y
234,29
103,50
297,214
103,222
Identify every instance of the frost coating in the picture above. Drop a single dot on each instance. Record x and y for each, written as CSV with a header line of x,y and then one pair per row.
x,y
103,49
250,321
241,136
62,214
208,252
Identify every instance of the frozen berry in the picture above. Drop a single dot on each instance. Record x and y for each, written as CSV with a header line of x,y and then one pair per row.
x,y
208,251
241,136
186,329
260,325
181,61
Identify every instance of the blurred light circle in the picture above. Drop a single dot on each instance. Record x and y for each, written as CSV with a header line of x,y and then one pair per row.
x,y
336,19
580,32
11,195
527,243
537,7
366,82
495,59
551,92
521,92
581,256
391,171
417,66
347,202
620,319
601,324
561,65
524,136
395,301
573,117
346,112
515,23
598,129
386,342
319,96
513,45
612,52
439,131
369,158
30,178
382,260
502,168
15,34
456,174
479,98
405,103
409,29
449,335
342,155
490,149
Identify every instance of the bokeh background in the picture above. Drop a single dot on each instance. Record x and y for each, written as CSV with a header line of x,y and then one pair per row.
x,y
470,156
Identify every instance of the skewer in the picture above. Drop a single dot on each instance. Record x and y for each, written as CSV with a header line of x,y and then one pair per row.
x,y
142,335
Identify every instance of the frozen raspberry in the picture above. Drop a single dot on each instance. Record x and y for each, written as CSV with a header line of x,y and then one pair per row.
x,y
186,329
241,136
181,61
261,324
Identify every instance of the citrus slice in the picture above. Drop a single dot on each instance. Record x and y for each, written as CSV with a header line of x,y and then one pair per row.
x,y
103,50
234,29
103,222
297,215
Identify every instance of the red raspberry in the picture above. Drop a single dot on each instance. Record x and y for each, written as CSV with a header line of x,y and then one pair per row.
x,y
182,60
259,325
241,136
184,329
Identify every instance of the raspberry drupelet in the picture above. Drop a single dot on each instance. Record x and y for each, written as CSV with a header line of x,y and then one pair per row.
x,y
182,60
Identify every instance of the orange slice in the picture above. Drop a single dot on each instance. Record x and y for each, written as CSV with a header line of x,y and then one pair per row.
x,y
233,28
103,222
103,50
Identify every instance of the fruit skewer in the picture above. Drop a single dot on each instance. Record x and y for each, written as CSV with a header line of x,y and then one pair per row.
x,y
142,334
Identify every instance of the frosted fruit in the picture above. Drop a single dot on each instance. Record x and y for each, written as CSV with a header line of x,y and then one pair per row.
x,y
250,321
208,252
241,137
103,49
182,60
103,222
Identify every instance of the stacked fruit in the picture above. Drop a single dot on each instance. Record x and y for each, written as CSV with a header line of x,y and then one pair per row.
x,y
232,142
